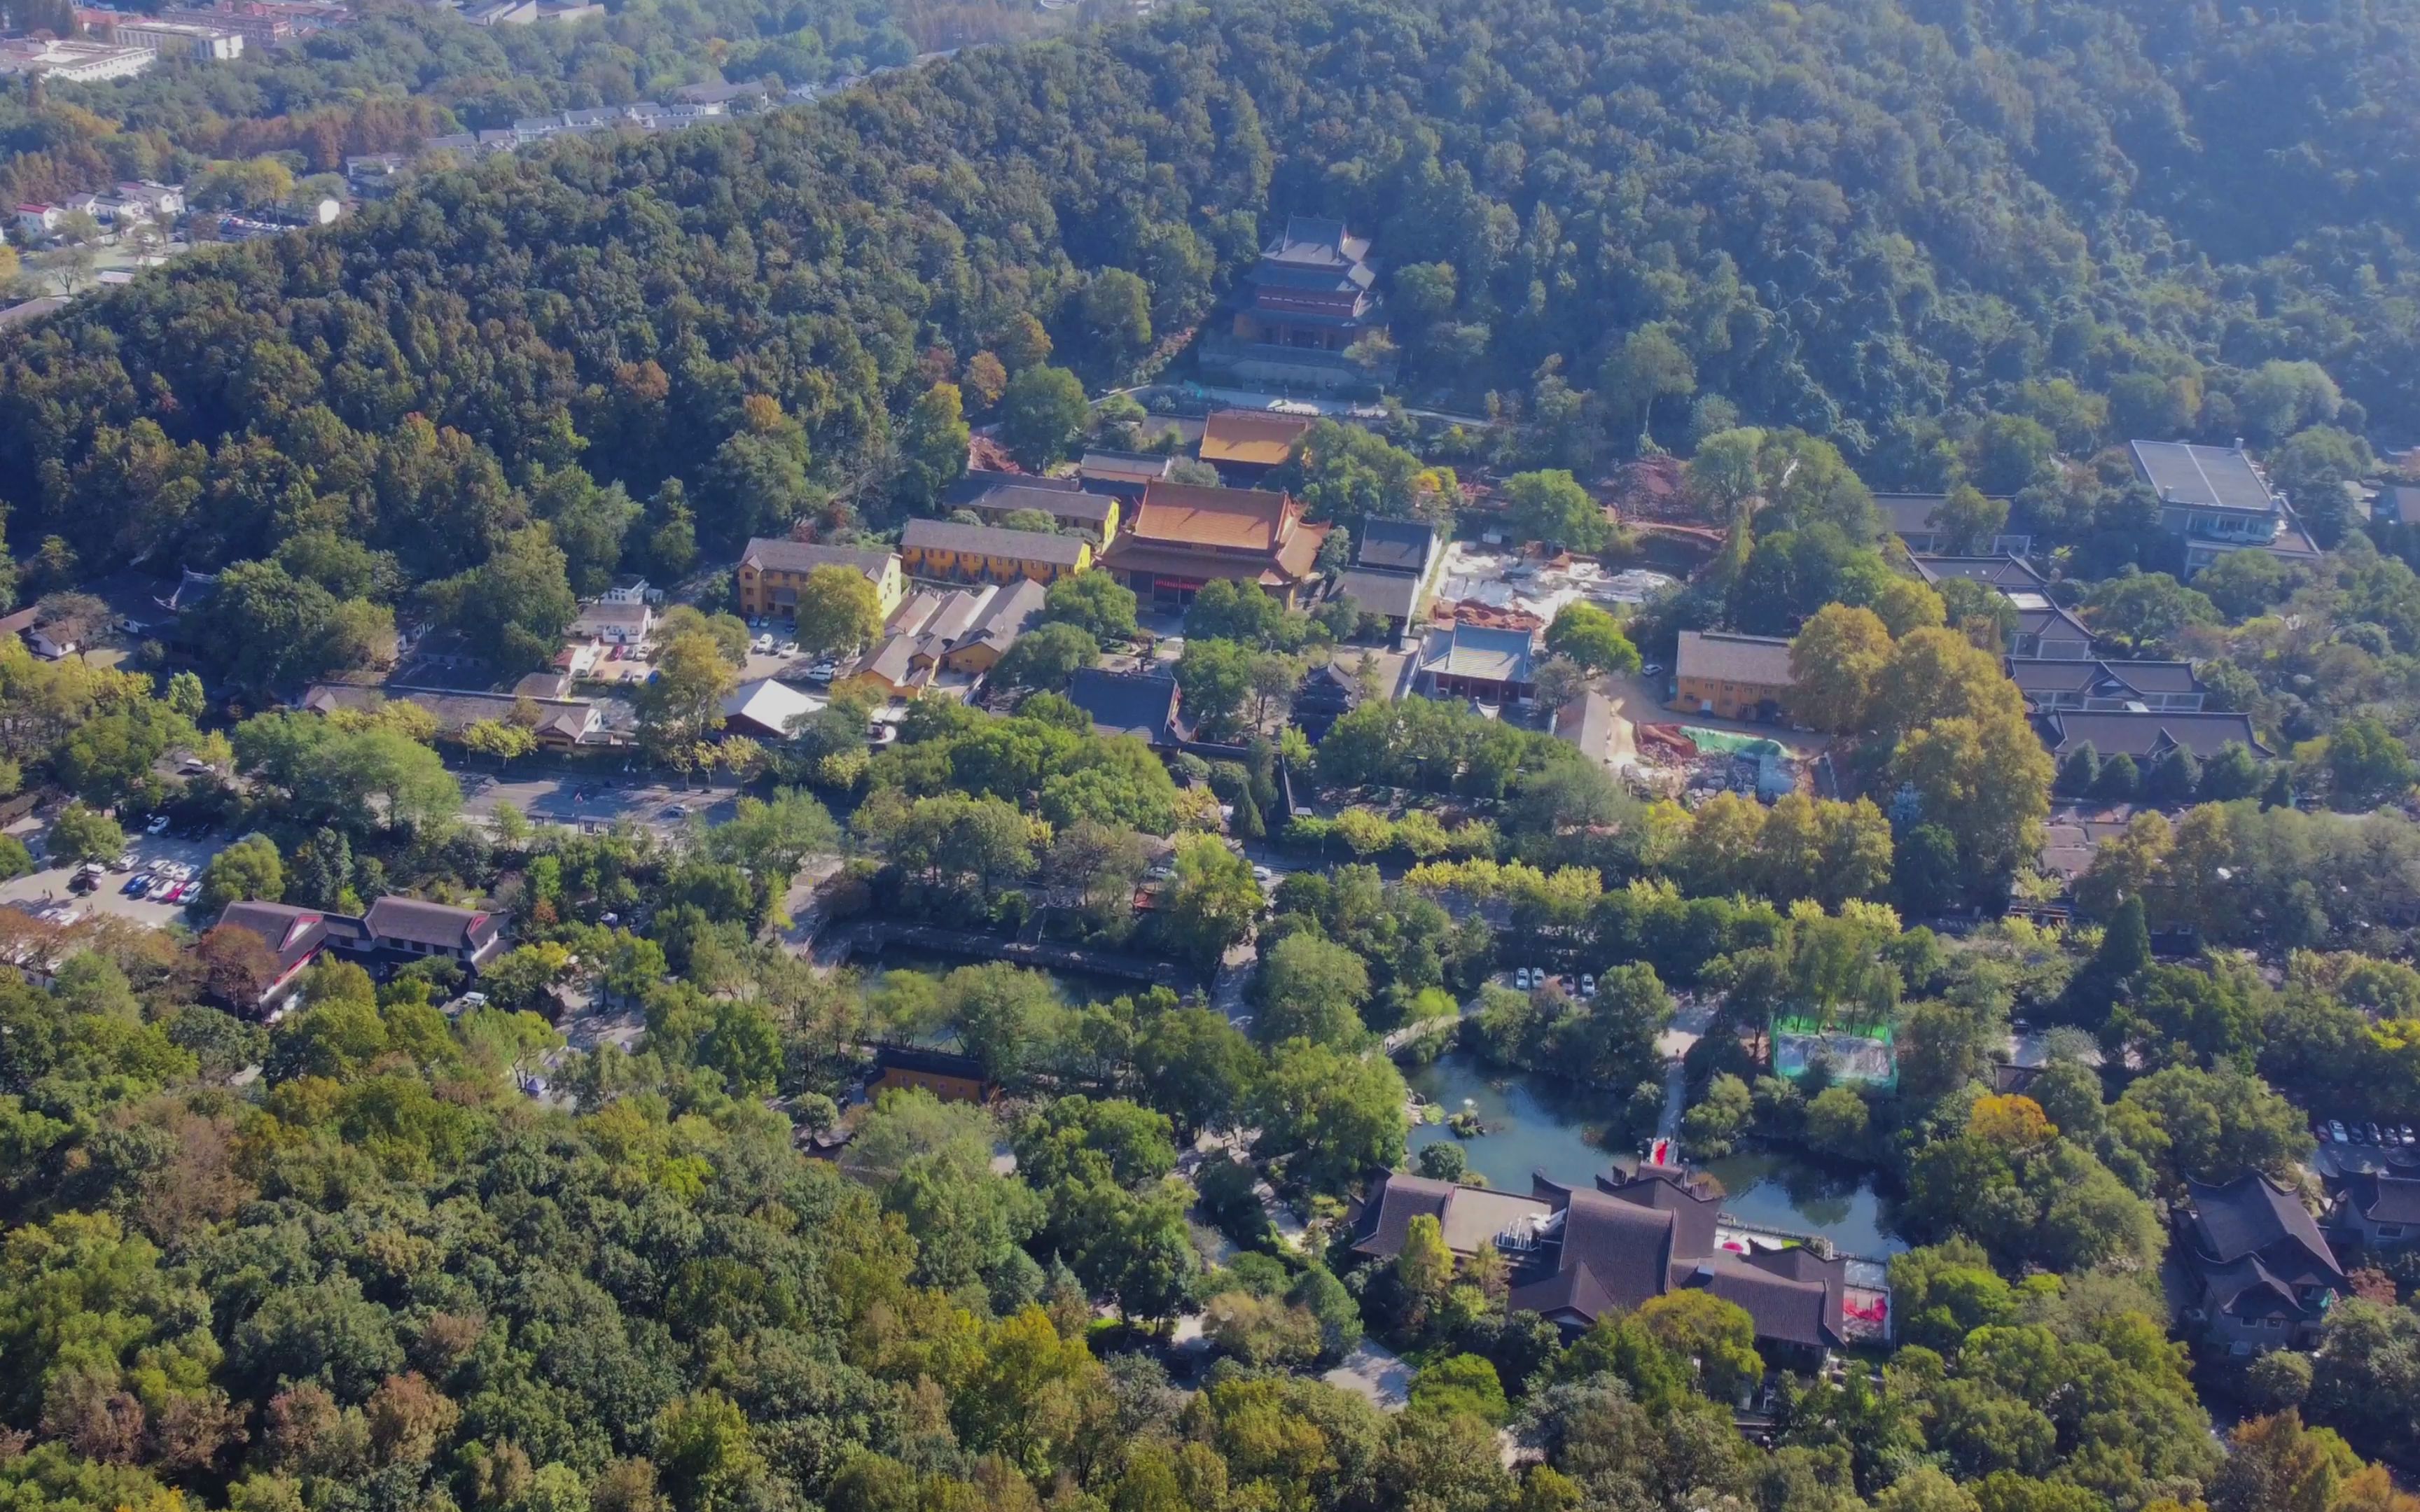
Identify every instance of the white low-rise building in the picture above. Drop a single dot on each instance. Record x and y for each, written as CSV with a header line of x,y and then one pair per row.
x,y
78,62
615,623
179,38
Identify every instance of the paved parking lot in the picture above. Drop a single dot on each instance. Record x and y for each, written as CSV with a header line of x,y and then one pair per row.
x,y
50,885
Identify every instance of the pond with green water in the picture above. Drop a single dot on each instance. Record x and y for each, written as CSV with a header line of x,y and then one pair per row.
x,y
1537,1124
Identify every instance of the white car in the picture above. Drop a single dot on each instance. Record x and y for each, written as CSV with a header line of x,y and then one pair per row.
x,y
158,824
1521,977
1588,986
1262,874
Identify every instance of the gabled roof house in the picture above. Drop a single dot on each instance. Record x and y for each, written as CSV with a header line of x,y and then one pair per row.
x,y
2263,1274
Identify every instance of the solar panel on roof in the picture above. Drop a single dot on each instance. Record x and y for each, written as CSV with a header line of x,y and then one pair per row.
x,y
2216,477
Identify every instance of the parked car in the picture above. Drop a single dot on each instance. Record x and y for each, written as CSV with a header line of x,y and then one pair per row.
x,y
125,862
676,810
2336,1129
2320,1130
1587,985
158,824
181,892
83,882
2358,1137
2376,1137
160,887
1262,874
2405,1135
139,884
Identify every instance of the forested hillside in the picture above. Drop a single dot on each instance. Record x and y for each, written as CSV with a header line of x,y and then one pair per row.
x,y
381,1257
1856,219
403,71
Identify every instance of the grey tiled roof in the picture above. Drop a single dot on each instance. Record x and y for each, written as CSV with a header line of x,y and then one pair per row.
x,y
803,556
2140,735
1760,661
991,541
395,918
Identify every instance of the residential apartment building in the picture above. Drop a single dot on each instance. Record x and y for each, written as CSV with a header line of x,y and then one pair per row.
x,y
951,552
771,573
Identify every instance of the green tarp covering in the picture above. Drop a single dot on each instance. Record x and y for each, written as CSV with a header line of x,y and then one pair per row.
x,y
1736,745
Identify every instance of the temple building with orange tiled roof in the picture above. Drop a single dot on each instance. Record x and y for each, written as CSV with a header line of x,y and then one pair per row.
x,y
1183,536
1247,445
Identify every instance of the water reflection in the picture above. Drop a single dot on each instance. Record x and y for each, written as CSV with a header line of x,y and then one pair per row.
x,y
1533,1123
1536,1123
